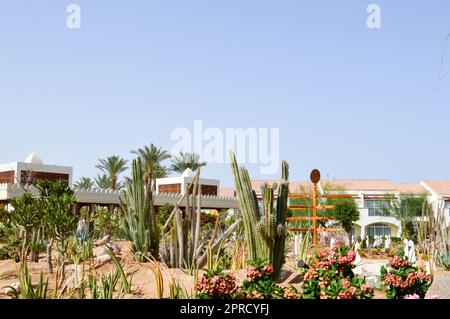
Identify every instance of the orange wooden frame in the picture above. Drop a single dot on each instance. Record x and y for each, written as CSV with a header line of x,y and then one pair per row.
x,y
315,197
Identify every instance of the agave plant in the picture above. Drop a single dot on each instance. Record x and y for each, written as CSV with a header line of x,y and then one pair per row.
x,y
125,282
27,290
265,231
159,279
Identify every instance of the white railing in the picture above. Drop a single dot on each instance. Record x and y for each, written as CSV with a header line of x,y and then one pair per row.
x,y
110,197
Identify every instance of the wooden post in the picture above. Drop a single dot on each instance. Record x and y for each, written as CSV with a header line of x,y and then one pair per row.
x,y
315,213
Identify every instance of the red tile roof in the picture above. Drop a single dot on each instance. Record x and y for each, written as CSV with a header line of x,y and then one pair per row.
x,y
294,187
228,192
440,187
359,184
410,188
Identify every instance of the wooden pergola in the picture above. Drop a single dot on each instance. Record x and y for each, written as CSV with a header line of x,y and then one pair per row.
x,y
315,178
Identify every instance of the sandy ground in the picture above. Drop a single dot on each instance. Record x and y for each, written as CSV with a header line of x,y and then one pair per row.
x,y
143,279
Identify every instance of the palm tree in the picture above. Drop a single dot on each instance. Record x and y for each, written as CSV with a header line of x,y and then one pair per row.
x,y
84,182
102,181
151,158
185,161
113,166
161,171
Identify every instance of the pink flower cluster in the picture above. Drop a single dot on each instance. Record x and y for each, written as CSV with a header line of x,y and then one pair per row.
x,y
333,267
290,293
329,257
254,273
351,292
348,259
366,288
408,282
396,262
218,287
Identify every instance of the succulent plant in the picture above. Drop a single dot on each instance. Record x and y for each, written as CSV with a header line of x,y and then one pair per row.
x,y
265,231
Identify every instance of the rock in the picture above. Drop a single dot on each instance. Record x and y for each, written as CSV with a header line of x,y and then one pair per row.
x,y
374,281
115,249
14,287
102,260
440,285
103,241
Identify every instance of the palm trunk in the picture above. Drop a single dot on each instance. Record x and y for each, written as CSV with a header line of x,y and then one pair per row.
x,y
113,182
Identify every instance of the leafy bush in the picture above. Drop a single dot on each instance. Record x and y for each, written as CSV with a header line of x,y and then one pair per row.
x,y
331,277
9,252
107,223
10,243
395,250
403,279
164,213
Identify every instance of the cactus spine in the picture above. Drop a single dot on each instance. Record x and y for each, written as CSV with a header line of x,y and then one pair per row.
x,y
265,232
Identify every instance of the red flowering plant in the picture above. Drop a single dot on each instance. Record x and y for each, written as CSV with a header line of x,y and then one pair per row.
x,y
216,285
260,285
403,279
331,277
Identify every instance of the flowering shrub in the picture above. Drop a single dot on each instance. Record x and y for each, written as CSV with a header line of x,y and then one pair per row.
x,y
260,285
331,277
216,285
403,279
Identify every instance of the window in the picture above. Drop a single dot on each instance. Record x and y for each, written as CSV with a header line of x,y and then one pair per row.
x,y
377,207
378,229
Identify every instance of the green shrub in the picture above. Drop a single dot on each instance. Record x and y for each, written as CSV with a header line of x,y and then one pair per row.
x,y
164,214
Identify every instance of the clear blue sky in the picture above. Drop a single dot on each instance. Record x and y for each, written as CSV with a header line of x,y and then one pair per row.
x,y
351,101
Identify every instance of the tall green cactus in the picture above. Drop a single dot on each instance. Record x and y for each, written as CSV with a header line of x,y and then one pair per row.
x,y
265,232
138,219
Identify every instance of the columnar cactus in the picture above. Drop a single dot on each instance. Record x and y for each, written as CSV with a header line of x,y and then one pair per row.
x,y
265,231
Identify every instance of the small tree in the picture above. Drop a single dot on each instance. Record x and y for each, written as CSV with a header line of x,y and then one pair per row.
x,y
346,212
56,203
27,217
405,208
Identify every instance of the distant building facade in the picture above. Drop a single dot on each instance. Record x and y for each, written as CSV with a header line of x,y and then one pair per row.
x,y
371,197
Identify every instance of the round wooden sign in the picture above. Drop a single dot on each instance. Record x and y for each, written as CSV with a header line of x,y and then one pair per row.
x,y
315,176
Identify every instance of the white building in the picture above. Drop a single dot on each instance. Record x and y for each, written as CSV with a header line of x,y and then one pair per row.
x,y
371,198
33,169
18,177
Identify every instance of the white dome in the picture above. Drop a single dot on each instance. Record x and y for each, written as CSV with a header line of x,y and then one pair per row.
x,y
34,158
188,173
